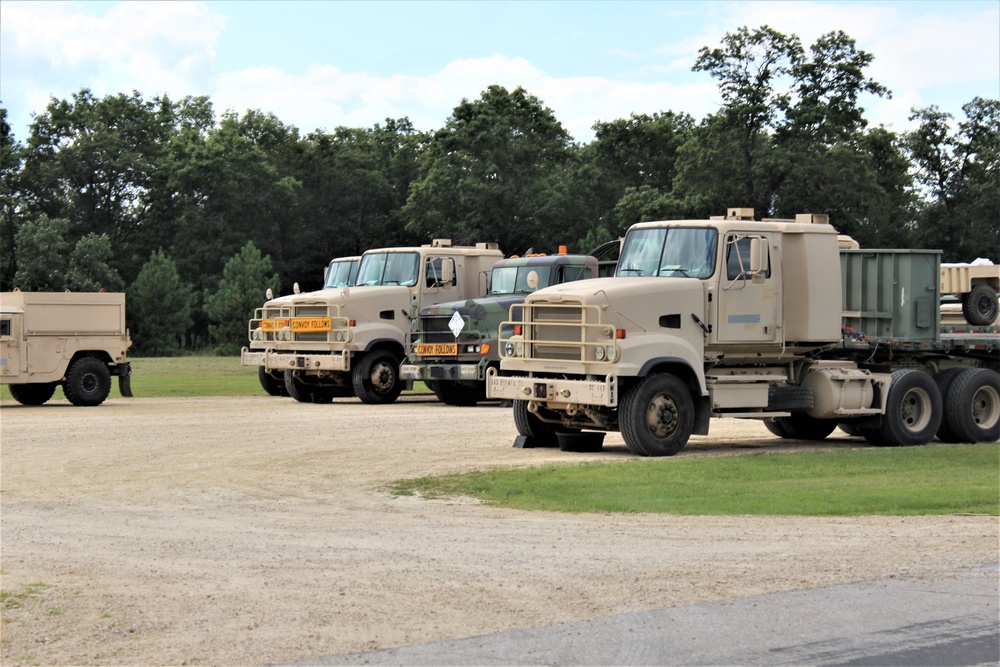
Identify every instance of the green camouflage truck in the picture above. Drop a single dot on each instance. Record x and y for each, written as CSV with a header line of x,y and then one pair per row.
x,y
454,343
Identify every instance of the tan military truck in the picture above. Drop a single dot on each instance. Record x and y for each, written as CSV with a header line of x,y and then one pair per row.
x,y
351,341
732,317
74,340
976,286
340,272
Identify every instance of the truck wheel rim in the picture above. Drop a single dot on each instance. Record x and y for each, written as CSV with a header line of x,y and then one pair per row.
x,y
88,383
381,377
986,407
916,409
661,416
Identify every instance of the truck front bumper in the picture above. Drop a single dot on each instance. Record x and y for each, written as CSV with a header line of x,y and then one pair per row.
x,y
553,392
280,361
444,371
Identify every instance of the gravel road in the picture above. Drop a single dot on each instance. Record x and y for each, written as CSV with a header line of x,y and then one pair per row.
x,y
258,530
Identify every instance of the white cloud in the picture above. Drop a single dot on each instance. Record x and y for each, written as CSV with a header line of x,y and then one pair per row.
x,y
56,48
150,46
326,97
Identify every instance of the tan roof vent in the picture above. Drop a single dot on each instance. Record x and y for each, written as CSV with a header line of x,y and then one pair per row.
x,y
812,218
739,214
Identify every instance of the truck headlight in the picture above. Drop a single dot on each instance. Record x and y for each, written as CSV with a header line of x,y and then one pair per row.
x,y
599,353
258,334
510,349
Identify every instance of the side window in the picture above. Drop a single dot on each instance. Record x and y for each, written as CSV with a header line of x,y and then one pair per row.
x,y
738,258
4,327
572,273
440,272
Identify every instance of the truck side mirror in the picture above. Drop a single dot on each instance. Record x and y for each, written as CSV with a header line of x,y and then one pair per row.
x,y
440,272
758,256
447,272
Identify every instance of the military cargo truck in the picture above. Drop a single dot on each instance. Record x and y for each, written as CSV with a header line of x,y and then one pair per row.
x,y
769,320
454,343
74,340
340,272
351,341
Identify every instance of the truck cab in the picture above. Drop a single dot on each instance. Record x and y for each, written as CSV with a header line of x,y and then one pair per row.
x,y
340,272
454,343
351,341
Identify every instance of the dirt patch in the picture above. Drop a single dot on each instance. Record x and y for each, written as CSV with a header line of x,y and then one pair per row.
x,y
257,530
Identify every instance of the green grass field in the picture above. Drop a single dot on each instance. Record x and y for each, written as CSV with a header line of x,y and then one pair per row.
x,y
936,479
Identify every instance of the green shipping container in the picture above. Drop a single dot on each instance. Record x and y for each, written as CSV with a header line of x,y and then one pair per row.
x,y
891,293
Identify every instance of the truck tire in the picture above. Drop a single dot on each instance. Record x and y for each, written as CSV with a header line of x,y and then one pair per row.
x,y
973,406
944,380
88,382
656,416
850,429
376,378
803,427
33,394
913,411
980,305
542,434
776,428
271,384
462,394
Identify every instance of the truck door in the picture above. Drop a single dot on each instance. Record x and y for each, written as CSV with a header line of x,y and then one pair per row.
x,y
748,297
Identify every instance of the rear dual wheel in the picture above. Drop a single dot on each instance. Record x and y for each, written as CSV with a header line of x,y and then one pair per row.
x,y
972,406
913,411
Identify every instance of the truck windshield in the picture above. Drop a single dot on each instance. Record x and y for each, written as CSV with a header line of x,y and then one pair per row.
x,y
342,273
675,252
389,268
514,279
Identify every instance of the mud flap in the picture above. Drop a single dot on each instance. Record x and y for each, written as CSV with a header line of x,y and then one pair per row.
x,y
125,380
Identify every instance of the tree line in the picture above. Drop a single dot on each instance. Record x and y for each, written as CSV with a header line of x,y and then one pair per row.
x,y
194,216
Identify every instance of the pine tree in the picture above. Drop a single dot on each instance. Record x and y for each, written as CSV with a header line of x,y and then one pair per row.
x,y
158,308
240,292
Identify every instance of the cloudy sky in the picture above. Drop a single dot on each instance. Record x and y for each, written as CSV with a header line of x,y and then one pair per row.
x,y
319,65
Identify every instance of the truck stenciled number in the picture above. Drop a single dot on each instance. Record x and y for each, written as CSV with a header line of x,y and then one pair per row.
x,y
272,325
311,324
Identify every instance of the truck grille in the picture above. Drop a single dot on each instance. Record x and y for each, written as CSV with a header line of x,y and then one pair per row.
x,y
561,328
435,330
311,311
559,332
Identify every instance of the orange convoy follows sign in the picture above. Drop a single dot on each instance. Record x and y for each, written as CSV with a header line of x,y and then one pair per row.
x,y
311,324
272,325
